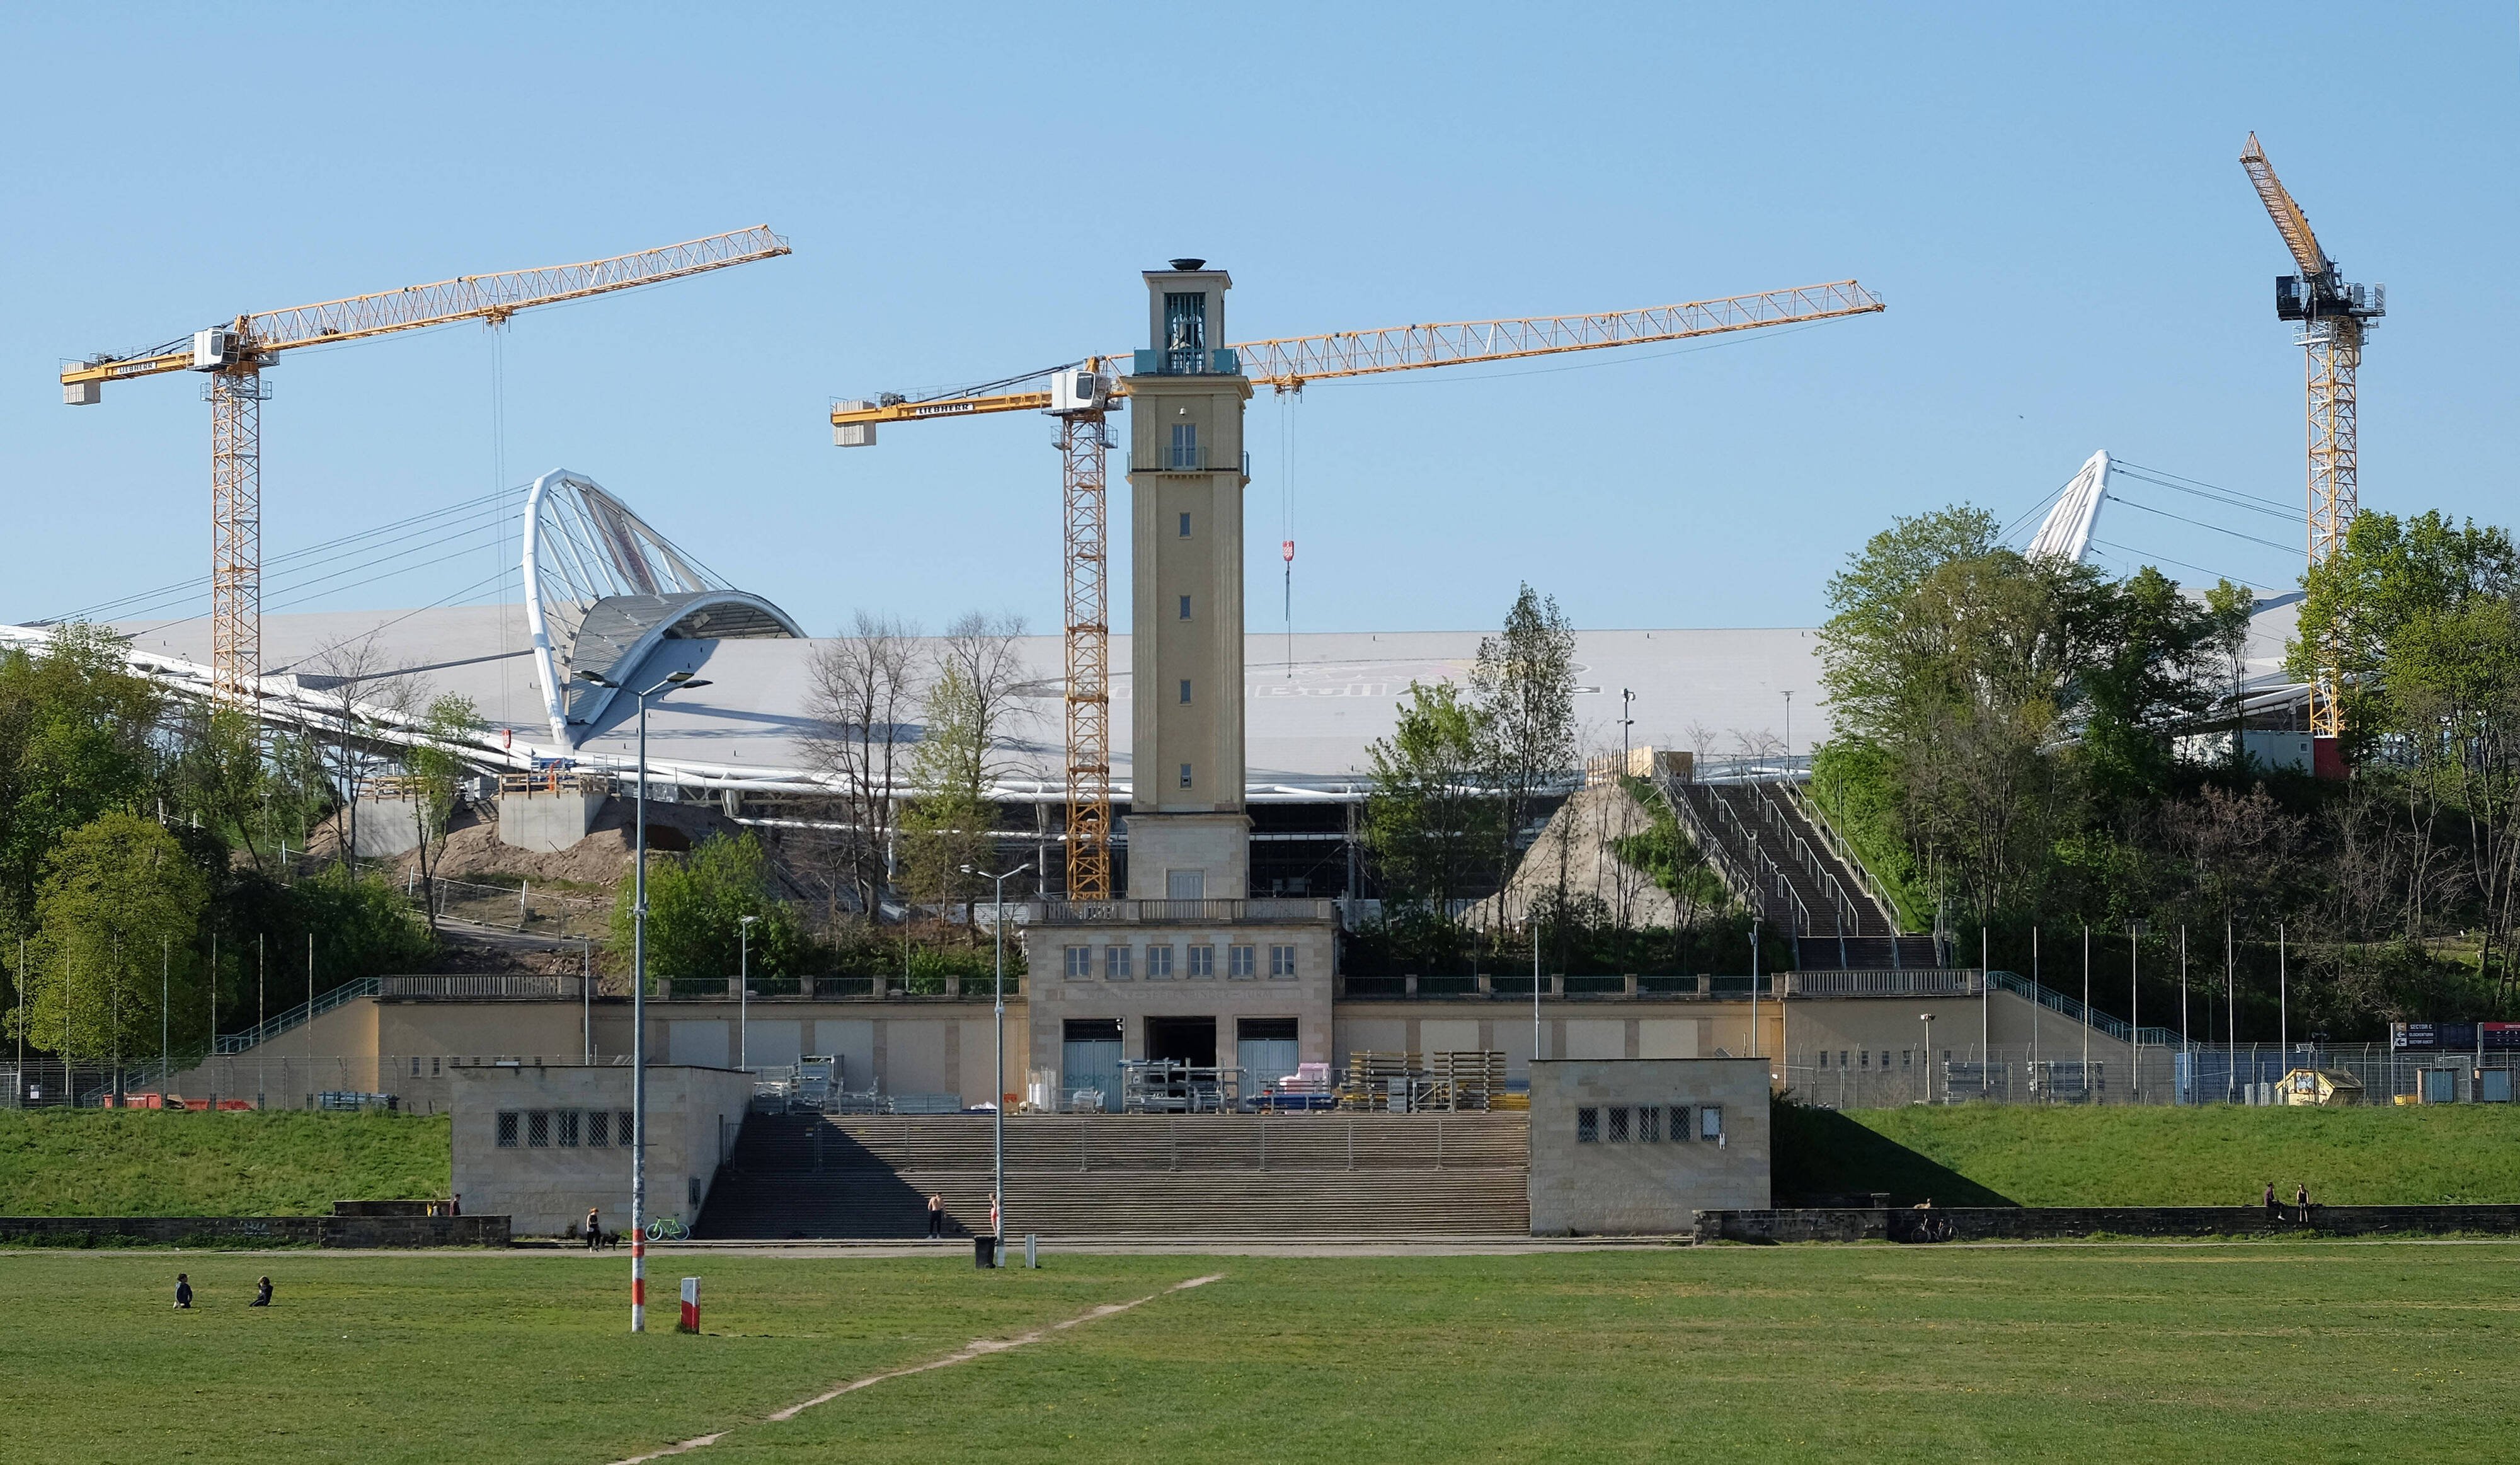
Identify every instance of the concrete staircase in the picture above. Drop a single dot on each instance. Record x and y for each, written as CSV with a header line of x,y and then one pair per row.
x,y
809,1176
1770,845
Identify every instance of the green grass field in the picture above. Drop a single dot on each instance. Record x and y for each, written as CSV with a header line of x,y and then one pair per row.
x,y
139,1162
2215,1156
2305,1349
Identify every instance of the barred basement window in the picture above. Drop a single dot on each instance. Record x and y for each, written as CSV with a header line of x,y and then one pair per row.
x,y
1619,1124
507,1128
624,1133
1710,1122
598,1123
1649,1125
537,1128
568,1129
1203,961
1679,1123
1588,1126
1238,960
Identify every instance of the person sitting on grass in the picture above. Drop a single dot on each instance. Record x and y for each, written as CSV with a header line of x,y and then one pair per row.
x,y
261,1294
183,1291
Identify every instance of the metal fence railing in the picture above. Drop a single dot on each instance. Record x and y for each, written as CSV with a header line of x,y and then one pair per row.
x,y
2163,1073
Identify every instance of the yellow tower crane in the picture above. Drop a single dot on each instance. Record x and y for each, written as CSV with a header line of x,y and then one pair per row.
x,y
232,355
1084,393
2333,318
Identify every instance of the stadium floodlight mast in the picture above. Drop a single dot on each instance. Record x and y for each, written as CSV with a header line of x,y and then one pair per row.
x,y
639,1000
998,1100
743,991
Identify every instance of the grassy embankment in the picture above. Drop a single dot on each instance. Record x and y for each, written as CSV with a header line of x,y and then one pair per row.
x,y
1993,1155
2193,1352
145,1162
90,1162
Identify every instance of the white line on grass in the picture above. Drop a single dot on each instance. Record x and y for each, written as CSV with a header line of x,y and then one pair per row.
x,y
977,1348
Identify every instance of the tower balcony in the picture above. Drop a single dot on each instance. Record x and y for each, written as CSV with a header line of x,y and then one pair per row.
x,y
1223,361
1196,460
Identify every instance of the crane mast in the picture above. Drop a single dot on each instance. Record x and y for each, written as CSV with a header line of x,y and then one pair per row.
x,y
2331,317
1082,394
233,357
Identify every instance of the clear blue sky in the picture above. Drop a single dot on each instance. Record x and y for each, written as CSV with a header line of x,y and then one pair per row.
x,y
2049,196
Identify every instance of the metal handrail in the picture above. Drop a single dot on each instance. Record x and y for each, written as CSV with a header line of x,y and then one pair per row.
x,y
1739,882
1845,853
1820,873
302,1013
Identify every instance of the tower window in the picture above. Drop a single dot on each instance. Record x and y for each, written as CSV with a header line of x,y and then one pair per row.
x,y
1184,691
1185,775
1185,526
1185,607
1185,329
1185,455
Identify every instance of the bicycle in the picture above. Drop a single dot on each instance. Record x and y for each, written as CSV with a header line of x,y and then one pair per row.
x,y
667,1228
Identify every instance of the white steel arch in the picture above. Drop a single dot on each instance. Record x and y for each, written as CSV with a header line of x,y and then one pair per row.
x,y
602,588
2067,532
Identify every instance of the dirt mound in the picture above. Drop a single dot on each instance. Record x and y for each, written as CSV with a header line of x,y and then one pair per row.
x,y
601,860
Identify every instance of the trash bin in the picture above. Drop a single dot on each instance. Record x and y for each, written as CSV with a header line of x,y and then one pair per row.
x,y
984,1252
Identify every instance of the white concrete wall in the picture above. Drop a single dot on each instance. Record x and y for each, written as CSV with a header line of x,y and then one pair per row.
x,y
693,1117
1640,1188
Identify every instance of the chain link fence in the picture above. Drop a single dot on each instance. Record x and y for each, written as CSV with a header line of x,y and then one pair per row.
x,y
2245,1073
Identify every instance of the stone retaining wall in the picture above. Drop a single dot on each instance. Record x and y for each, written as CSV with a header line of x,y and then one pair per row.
x,y
2059,1222
346,1233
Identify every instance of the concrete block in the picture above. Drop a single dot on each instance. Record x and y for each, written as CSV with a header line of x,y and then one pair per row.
x,y
547,820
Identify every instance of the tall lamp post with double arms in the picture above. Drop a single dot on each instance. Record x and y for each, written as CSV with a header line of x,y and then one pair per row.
x,y
679,680
998,1100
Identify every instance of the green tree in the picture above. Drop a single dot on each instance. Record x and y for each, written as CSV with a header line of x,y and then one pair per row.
x,y
118,894
696,910
77,732
219,776
2391,578
2230,606
435,768
945,827
1522,689
2154,677
1431,821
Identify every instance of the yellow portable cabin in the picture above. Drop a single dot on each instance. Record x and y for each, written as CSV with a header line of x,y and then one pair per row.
x,y
2325,1088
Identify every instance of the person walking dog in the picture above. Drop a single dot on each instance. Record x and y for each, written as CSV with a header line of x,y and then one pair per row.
x,y
594,1229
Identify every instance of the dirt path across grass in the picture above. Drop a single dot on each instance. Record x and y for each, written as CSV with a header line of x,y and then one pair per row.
x,y
977,1348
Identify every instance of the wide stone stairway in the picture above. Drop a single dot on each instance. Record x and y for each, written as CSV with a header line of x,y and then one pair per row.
x,y
1085,1176
1767,836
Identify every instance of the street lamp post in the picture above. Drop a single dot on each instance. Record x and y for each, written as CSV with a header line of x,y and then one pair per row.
x,y
639,1001
743,991
1927,1057
998,1100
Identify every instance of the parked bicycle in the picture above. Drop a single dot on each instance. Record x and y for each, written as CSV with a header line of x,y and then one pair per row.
x,y
666,1228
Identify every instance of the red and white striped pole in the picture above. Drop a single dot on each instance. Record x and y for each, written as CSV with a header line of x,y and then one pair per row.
x,y
639,1280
